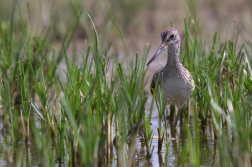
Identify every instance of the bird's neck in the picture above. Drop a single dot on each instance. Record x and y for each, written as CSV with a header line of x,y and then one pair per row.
x,y
173,56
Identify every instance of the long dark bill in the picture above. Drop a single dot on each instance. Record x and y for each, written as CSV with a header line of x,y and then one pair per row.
x,y
158,52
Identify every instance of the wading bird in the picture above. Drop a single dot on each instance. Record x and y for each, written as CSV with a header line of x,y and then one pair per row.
x,y
173,79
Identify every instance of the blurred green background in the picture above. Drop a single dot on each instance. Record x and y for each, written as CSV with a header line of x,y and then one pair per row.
x,y
140,21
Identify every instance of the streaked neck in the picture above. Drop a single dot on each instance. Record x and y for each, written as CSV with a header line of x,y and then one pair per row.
x,y
173,56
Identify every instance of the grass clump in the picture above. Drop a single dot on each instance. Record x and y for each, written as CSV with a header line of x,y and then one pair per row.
x,y
72,121
223,88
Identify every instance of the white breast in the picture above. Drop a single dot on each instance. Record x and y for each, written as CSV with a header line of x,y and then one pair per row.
x,y
176,91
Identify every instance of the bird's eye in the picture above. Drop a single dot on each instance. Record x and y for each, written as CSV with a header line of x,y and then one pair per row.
x,y
172,36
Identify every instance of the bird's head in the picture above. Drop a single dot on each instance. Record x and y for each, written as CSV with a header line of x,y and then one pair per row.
x,y
170,37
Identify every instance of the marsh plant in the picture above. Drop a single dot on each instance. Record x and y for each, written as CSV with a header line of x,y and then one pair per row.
x,y
60,106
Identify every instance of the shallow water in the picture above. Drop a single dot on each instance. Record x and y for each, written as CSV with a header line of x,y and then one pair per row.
x,y
173,148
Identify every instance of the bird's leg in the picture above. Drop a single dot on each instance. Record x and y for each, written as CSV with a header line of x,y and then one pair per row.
x,y
172,113
164,121
177,117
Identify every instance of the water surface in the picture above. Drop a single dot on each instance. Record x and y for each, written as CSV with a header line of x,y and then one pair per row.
x,y
174,152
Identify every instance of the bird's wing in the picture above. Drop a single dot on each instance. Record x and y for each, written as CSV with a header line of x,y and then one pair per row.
x,y
155,80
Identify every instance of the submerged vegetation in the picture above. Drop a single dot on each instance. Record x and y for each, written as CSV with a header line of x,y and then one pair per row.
x,y
87,108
